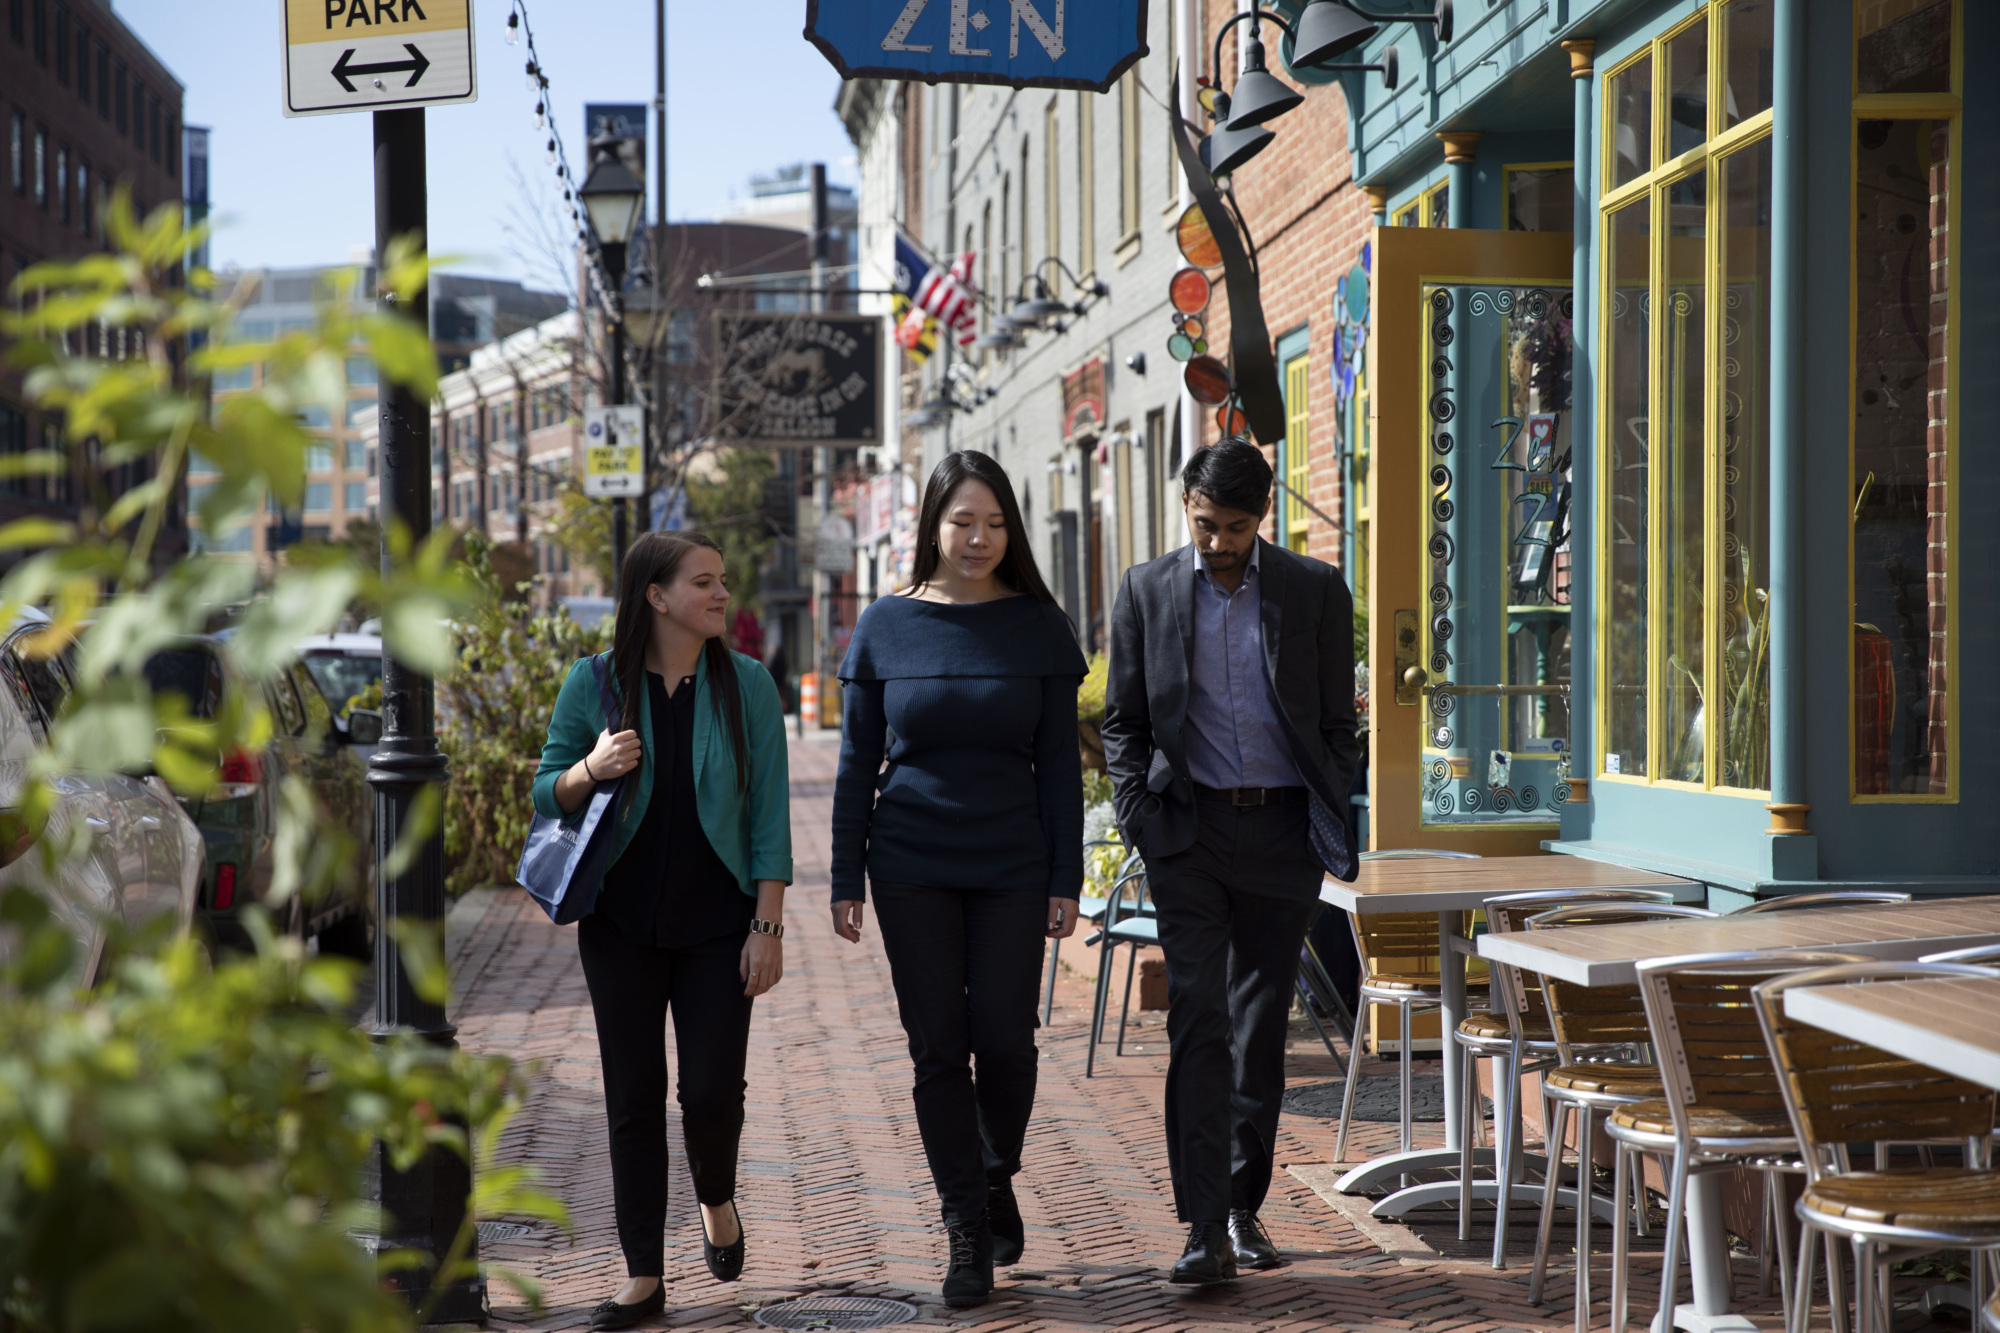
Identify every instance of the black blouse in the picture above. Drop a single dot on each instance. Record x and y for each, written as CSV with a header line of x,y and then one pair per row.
x,y
669,889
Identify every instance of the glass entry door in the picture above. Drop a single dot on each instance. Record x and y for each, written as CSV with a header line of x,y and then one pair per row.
x,y
1471,597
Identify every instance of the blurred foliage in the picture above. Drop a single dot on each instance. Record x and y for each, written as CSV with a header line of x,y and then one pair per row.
x,y
583,528
727,502
1090,694
183,1146
187,1143
493,715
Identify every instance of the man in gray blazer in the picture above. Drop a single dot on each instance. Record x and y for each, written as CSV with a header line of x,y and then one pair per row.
x,y
1229,734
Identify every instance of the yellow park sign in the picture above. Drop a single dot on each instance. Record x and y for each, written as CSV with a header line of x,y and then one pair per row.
x,y
377,55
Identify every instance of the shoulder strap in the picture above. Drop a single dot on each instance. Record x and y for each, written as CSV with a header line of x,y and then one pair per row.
x,y
600,669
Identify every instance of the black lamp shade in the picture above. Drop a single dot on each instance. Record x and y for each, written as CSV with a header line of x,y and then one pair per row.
x,y
612,195
1228,147
1260,97
1327,31
1002,337
1036,310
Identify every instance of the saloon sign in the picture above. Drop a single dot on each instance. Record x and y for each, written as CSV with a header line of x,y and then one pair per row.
x,y
1083,44
799,380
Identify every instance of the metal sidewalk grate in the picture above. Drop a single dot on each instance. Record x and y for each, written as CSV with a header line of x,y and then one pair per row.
x,y
836,1312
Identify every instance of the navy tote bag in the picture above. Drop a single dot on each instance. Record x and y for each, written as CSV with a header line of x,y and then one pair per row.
x,y
563,865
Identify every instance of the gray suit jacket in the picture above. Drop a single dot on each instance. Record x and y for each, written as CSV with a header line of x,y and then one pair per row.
x,y
1308,619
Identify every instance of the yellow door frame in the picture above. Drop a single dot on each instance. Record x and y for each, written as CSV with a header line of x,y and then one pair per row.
x,y
1406,258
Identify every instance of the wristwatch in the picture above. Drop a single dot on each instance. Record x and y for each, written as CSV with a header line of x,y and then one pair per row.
x,y
775,929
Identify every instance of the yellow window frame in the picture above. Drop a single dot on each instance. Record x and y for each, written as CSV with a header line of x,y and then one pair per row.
x,y
1298,470
1916,106
1708,159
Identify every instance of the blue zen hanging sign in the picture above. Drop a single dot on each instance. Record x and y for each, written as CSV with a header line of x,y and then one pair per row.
x,y
1021,43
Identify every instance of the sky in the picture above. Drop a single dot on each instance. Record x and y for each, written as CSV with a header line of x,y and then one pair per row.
x,y
745,94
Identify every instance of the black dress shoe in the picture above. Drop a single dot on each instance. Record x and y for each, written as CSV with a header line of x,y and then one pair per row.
x,y
969,1280
1003,1215
725,1262
613,1315
1246,1237
1209,1257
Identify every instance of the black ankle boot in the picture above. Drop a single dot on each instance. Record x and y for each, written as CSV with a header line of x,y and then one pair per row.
x,y
969,1281
1003,1216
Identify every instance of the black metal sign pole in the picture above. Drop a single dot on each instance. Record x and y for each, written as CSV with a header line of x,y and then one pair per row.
x,y
423,1207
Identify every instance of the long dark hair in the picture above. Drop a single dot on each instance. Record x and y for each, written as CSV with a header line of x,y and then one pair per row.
x,y
1017,568
656,558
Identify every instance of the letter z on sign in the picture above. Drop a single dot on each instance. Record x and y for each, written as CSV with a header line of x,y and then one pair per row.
x,y
376,55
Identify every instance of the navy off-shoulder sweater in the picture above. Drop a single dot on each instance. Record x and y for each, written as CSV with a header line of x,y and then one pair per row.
x,y
974,707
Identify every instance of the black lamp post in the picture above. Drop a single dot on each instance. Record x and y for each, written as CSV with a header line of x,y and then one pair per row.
x,y
612,196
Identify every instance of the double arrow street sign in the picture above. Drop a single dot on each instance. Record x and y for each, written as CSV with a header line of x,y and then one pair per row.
x,y
377,55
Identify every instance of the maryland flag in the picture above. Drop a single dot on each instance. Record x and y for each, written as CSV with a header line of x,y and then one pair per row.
x,y
911,269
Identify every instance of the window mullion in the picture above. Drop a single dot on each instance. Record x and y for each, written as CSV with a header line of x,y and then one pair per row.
x,y
1715,694
1658,480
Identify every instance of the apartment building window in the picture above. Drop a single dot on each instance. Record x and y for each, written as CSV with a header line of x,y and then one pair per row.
x,y
62,44
1005,294
1156,443
1027,260
985,263
118,91
1128,165
62,184
41,168
153,127
1086,183
171,148
1052,181
14,19
103,79
83,197
40,16
17,151
83,62
319,496
356,498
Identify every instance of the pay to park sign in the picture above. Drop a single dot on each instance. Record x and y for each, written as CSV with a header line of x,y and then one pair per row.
x,y
377,55
1022,43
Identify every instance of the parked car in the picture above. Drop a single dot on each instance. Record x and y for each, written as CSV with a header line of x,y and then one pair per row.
x,y
145,857
238,817
347,669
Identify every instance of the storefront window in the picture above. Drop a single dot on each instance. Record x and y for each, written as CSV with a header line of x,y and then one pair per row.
x,y
1628,518
1684,433
1744,712
1630,98
1902,466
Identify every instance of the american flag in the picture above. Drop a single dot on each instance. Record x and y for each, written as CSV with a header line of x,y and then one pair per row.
x,y
947,295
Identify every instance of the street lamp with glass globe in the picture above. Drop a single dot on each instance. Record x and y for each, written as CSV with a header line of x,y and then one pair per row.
x,y
612,196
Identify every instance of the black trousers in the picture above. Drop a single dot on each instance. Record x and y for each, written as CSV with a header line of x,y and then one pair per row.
x,y
967,964
1233,911
632,989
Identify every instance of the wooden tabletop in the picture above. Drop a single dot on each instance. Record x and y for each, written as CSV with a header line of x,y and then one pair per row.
x,y
1444,884
1945,1023
1608,955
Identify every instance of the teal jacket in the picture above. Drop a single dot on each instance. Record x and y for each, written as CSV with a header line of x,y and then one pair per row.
x,y
751,830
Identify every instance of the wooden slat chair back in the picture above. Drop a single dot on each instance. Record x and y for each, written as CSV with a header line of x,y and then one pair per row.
x,y
1401,937
1515,990
1840,1091
1585,1016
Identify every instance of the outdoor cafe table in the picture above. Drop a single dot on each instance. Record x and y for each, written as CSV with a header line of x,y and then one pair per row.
x,y
1946,1022
1451,887
1610,955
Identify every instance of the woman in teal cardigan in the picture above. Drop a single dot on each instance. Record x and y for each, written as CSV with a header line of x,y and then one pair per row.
x,y
690,916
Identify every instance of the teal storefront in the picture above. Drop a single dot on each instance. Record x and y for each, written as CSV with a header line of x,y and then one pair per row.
x,y
1683,494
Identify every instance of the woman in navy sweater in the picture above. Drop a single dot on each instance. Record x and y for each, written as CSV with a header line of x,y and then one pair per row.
x,y
972,835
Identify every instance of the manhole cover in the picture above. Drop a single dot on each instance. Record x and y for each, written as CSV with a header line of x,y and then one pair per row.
x,y
489,1232
1379,1099
833,1312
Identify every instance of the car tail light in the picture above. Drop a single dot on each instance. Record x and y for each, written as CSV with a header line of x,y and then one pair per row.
x,y
225,885
241,774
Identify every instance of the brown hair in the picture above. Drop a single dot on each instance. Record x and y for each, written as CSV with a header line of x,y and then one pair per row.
x,y
656,559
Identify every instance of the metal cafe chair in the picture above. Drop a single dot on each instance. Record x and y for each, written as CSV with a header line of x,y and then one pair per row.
x,y
1588,1020
1132,928
1979,955
1089,908
1803,901
1409,939
1722,1108
1515,1033
1838,1091
1989,1318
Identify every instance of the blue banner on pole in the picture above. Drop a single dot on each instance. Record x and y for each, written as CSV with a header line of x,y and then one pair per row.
x,y
1083,44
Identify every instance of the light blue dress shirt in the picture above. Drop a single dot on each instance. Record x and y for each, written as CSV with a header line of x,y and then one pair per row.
x,y
1233,735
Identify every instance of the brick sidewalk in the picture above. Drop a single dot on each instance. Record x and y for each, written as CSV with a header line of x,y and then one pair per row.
x,y
835,1197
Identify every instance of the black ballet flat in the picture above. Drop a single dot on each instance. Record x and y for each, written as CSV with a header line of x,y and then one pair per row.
x,y
612,1315
725,1262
